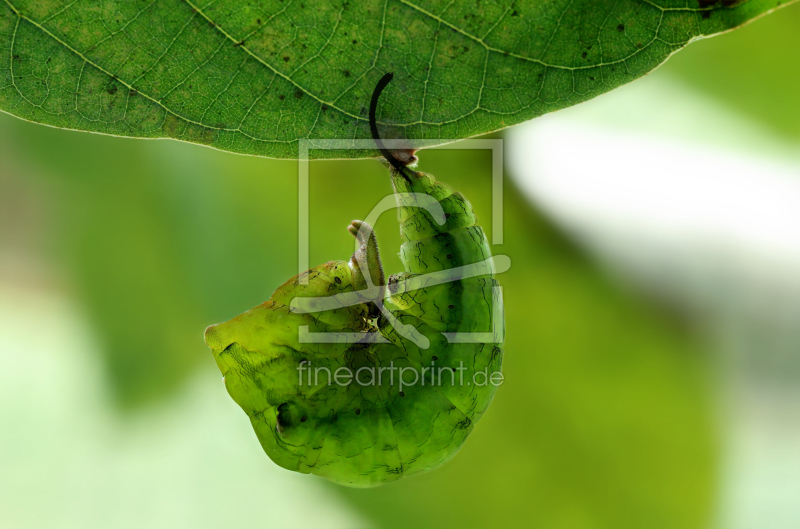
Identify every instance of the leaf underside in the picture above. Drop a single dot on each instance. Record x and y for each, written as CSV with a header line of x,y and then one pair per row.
x,y
257,77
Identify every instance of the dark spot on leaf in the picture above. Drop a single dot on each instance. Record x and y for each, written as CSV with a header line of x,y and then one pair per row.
x,y
355,42
358,411
621,28
591,78
346,73
337,279
712,3
286,59
283,419
402,394
298,94
281,97
133,93
112,89
303,418
258,21
584,54
451,306
706,14
434,358
238,44
514,14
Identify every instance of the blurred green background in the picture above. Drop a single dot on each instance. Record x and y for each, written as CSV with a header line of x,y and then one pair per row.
x,y
115,254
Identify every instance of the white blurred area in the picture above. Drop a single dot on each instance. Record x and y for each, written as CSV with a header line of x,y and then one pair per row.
x,y
700,208
151,470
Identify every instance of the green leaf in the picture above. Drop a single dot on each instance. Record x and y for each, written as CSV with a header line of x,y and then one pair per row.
x,y
255,78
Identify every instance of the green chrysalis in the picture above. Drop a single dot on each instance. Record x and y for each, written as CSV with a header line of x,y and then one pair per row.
x,y
374,429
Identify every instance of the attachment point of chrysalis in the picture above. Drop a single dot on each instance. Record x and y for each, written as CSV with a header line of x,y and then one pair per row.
x,y
407,157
